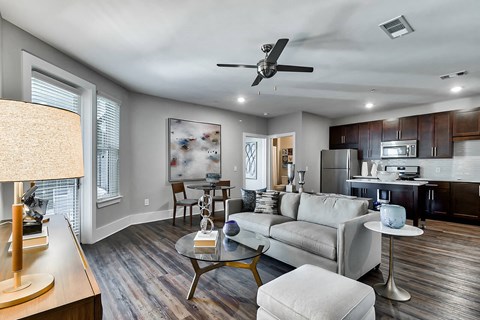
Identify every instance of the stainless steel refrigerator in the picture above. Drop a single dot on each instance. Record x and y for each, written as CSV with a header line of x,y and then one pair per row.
x,y
337,167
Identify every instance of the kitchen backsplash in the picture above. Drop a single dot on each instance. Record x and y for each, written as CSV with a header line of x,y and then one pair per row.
x,y
464,165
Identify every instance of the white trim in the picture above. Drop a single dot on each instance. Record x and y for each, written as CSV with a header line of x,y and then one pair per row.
x,y
133,219
109,201
88,113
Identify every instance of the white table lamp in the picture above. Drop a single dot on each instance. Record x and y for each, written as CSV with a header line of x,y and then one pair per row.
x,y
37,142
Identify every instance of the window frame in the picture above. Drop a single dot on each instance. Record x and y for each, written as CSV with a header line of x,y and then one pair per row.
x,y
108,201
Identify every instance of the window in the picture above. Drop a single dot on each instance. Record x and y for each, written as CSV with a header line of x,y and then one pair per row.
x,y
62,195
108,146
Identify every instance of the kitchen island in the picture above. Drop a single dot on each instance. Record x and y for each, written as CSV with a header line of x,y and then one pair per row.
x,y
406,193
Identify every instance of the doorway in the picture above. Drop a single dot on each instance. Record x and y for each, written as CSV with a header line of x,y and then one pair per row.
x,y
282,150
255,160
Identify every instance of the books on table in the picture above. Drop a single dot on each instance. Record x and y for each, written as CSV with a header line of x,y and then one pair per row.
x,y
205,239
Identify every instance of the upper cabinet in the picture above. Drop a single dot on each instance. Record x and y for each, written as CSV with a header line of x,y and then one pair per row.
x,y
400,129
344,137
435,135
466,125
369,139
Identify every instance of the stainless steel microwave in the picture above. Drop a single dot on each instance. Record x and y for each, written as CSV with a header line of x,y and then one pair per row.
x,y
399,149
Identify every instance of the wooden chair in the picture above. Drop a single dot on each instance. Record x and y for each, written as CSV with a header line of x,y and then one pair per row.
x,y
225,194
179,187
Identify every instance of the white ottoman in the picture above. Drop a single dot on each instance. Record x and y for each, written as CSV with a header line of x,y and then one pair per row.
x,y
310,292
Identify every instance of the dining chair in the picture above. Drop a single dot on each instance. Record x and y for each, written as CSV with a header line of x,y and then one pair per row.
x,y
179,187
225,194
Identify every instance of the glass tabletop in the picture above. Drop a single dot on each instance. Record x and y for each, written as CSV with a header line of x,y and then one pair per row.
x,y
244,245
208,187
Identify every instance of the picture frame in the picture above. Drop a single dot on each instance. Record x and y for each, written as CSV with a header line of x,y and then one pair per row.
x,y
194,149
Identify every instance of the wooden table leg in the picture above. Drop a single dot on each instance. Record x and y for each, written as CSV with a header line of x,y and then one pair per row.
x,y
198,272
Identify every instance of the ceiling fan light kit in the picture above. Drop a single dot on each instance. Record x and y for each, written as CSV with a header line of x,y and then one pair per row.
x,y
268,67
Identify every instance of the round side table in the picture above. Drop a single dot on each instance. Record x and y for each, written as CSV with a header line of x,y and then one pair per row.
x,y
389,289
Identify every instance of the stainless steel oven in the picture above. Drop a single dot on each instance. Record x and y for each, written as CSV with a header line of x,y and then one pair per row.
x,y
399,149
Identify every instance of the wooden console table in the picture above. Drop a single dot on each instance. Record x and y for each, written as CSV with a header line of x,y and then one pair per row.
x,y
75,294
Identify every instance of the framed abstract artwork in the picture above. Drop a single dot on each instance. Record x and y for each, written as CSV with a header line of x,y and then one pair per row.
x,y
194,148
251,160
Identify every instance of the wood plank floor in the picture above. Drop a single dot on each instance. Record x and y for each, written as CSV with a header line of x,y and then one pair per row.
x,y
142,276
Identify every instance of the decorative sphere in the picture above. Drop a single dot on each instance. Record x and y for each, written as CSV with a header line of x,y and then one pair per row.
x,y
393,216
231,228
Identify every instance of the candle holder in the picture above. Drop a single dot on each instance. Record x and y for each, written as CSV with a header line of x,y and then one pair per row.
x,y
301,180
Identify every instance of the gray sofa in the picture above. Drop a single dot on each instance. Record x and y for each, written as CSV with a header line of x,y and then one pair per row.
x,y
326,231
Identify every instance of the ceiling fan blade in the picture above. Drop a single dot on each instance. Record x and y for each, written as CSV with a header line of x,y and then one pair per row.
x,y
257,81
282,67
236,65
277,50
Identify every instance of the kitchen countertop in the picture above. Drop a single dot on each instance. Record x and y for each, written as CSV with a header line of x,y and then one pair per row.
x,y
447,180
396,182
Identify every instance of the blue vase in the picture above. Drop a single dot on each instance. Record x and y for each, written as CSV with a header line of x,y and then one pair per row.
x,y
231,228
393,216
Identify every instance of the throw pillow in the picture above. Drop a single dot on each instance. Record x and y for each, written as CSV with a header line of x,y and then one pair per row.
x,y
267,202
248,199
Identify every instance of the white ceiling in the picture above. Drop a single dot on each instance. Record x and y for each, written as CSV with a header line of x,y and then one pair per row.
x,y
170,49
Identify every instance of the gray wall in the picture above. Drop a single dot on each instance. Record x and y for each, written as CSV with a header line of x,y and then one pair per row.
x,y
14,40
311,136
148,151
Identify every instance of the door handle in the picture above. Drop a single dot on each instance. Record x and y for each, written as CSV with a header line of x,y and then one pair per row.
x,y
433,195
435,148
433,152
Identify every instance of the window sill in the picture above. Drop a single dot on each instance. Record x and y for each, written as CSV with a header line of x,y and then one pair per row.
x,y
109,201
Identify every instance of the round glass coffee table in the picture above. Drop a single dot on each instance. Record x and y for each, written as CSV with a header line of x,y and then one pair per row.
x,y
228,252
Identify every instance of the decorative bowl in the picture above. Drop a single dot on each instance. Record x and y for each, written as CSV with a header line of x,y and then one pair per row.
x,y
213,178
386,176
393,216
231,228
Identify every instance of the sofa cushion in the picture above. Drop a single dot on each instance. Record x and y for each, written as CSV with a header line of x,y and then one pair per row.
x,y
259,223
249,198
315,238
329,211
288,204
267,202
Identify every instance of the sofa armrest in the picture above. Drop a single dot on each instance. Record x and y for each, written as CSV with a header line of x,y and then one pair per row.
x,y
358,249
232,206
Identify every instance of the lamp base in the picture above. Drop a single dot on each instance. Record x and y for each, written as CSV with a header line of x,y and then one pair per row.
x,y
33,286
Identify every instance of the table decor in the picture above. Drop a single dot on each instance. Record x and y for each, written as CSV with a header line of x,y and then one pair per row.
x,y
204,203
231,228
393,216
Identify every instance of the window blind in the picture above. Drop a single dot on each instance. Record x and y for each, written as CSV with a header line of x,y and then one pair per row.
x,y
108,147
63,194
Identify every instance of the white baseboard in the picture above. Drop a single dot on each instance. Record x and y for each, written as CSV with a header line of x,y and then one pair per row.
x,y
120,224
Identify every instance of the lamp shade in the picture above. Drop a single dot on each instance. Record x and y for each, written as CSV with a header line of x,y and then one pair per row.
x,y
39,142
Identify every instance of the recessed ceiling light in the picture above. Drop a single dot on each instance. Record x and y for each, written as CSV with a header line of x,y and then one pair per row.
x,y
456,89
240,99
369,105
266,113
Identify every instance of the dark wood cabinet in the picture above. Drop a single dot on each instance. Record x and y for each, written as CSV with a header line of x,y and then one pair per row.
x,y
466,124
400,129
465,200
437,199
435,135
369,139
344,137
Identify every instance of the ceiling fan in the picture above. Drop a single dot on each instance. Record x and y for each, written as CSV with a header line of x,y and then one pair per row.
x,y
268,67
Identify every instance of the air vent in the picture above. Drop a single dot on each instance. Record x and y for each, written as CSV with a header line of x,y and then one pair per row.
x,y
396,27
453,75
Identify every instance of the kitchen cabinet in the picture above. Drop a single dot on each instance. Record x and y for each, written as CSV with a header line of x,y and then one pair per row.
x,y
344,137
435,135
437,199
400,129
465,200
466,125
369,139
